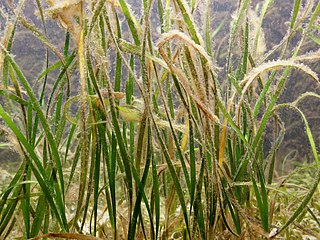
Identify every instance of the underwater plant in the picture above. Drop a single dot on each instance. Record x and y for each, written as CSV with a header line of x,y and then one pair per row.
x,y
146,124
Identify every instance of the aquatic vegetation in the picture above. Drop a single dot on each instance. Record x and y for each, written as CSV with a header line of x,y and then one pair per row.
x,y
145,134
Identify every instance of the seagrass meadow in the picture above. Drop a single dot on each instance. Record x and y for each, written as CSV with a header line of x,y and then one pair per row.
x,y
159,119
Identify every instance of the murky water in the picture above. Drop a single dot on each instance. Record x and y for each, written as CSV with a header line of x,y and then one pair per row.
x,y
29,54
